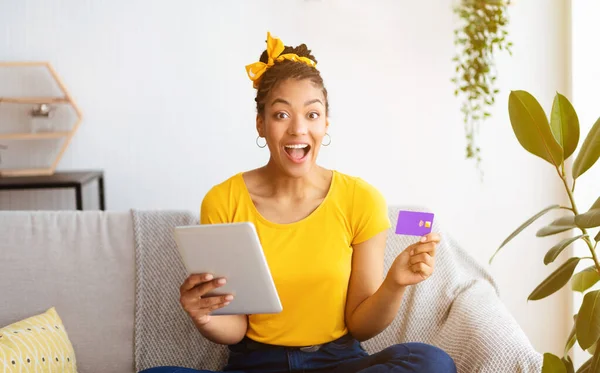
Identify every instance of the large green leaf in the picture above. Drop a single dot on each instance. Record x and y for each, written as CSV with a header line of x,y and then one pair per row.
x,y
595,366
589,152
550,230
596,204
571,340
557,226
555,281
590,219
568,220
564,124
553,364
585,279
592,349
531,127
568,364
523,226
555,251
588,320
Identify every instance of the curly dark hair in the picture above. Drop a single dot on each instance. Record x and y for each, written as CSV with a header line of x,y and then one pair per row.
x,y
286,69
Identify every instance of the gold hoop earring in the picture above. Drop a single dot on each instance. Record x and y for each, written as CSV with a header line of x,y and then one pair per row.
x,y
257,144
329,138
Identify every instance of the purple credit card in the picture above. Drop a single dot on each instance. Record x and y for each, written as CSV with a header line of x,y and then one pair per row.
x,y
413,223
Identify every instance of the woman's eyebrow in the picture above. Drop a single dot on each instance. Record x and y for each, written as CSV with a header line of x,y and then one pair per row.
x,y
309,102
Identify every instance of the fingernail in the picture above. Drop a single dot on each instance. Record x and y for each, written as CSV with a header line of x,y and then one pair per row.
x,y
221,281
229,298
226,303
208,277
412,252
423,239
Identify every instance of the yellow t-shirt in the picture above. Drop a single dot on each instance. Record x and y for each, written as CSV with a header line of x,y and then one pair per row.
x,y
310,260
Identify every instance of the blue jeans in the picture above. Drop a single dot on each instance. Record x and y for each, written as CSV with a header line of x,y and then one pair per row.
x,y
344,355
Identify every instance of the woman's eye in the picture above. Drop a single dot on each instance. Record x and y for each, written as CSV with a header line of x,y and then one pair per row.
x,y
313,115
281,115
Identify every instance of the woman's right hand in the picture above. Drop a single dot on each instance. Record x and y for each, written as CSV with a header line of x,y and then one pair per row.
x,y
194,300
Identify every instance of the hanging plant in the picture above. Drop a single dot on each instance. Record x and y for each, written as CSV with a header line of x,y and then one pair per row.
x,y
482,31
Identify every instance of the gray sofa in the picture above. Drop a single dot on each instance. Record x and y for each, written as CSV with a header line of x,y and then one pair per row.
x,y
91,267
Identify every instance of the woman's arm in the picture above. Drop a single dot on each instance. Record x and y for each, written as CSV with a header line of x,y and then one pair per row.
x,y
225,330
373,302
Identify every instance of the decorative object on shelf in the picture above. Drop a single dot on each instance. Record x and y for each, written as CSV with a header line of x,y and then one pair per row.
x,y
2,147
555,141
482,29
38,118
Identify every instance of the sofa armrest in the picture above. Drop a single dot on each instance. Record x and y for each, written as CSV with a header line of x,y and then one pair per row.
x,y
482,336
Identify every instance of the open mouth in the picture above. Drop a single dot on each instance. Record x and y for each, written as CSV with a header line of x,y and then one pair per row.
x,y
297,152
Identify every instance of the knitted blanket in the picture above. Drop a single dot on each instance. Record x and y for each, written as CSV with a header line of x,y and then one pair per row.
x,y
456,309
164,333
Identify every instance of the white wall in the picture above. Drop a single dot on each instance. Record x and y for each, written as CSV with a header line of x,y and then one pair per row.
x,y
586,80
169,110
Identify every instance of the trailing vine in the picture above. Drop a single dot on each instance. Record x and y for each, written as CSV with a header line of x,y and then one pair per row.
x,y
481,32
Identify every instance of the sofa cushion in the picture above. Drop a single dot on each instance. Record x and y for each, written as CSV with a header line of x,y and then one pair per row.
x,y
38,343
81,263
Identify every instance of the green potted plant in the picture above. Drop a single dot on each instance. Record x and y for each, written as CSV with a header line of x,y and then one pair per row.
x,y
481,32
554,141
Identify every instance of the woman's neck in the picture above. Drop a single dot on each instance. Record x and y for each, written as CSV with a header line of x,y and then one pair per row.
x,y
315,183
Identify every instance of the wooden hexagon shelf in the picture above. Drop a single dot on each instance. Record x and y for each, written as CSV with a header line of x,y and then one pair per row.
x,y
38,118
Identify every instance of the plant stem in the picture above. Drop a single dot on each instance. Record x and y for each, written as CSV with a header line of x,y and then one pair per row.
x,y
587,238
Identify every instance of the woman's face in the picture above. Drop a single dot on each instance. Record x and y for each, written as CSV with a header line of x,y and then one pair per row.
x,y
294,124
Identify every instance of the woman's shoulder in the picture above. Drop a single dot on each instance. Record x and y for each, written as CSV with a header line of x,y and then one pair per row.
x,y
216,206
225,187
230,181
366,207
356,186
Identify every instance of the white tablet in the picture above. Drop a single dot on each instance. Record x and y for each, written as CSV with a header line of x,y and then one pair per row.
x,y
233,251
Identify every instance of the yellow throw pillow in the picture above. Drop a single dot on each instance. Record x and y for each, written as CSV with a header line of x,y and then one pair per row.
x,y
37,344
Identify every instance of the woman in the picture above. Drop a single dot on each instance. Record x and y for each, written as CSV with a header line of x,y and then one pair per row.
x,y
324,235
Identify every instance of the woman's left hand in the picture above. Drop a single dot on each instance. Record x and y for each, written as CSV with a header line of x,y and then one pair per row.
x,y
415,263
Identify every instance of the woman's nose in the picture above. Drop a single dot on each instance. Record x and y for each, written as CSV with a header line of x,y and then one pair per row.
x,y
298,126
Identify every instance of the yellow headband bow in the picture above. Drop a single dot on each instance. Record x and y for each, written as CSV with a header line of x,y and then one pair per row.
x,y
274,49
